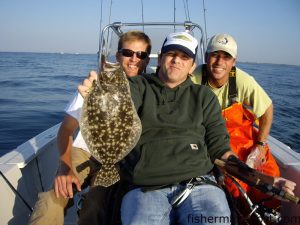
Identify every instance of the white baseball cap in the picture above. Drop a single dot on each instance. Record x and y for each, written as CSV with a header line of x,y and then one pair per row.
x,y
222,42
182,41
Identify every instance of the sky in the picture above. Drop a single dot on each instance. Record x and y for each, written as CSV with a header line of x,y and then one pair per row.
x,y
267,31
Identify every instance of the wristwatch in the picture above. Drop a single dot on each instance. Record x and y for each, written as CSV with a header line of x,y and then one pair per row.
x,y
261,143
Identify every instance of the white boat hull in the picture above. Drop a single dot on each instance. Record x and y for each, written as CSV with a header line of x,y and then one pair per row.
x,y
31,168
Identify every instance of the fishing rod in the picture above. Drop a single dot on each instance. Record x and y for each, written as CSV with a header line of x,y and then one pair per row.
x,y
16,192
252,177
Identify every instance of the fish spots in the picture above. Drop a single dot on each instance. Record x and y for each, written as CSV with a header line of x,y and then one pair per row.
x,y
109,123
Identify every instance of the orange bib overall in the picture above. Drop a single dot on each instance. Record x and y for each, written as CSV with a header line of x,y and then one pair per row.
x,y
239,122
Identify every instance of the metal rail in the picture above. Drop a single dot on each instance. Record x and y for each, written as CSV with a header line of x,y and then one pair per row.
x,y
116,27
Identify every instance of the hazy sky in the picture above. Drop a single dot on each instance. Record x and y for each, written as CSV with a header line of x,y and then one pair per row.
x,y
266,30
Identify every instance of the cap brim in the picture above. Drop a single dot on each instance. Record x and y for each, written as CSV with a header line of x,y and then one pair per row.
x,y
221,49
178,47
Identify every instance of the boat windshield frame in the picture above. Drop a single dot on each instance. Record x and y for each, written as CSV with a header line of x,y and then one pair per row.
x,y
117,28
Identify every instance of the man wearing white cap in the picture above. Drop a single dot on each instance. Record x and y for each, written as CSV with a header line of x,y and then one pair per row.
x,y
237,91
183,133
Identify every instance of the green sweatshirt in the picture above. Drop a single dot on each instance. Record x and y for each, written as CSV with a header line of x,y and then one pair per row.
x,y
183,132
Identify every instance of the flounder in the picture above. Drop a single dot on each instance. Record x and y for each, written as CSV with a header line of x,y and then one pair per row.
x,y
109,122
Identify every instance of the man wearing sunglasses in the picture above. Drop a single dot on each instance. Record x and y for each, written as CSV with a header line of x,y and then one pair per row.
x,y
76,165
133,61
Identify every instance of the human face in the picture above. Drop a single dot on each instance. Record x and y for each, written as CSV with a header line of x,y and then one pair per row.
x,y
175,66
219,64
132,65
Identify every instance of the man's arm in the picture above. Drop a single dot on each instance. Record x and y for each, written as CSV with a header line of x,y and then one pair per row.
x,y
65,176
265,123
263,108
279,182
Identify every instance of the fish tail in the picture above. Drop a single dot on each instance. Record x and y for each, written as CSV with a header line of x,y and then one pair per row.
x,y
106,176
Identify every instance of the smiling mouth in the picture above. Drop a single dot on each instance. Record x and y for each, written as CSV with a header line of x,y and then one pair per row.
x,y
174,67
133,66
218,69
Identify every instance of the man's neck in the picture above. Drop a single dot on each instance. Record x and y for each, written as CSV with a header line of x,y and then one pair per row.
x,y
217,83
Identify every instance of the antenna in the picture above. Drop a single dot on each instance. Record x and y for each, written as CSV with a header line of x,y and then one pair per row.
x,y
143,15
174,13
205,31
185,10
109,20
188,9
100,36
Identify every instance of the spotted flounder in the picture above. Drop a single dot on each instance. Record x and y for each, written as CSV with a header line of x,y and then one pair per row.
x,y
109,122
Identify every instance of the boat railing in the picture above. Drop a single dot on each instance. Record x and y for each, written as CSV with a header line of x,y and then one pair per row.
x,y
117,28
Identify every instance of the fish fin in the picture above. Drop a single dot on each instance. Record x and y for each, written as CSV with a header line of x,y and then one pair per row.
x,y
107,176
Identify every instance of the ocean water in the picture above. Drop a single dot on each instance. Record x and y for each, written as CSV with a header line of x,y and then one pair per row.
x,y
35,88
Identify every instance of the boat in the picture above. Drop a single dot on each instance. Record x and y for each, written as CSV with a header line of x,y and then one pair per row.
x,y
31,167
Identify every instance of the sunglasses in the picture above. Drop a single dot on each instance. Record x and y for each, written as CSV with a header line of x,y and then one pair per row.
x,y
130,53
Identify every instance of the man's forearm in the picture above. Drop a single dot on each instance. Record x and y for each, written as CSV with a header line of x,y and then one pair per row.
x,y
265,123
64,144
65,150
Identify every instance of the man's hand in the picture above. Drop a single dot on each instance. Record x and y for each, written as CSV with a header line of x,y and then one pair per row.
x,y
257,157
86,85
262,155
235,168
284,184
64,180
